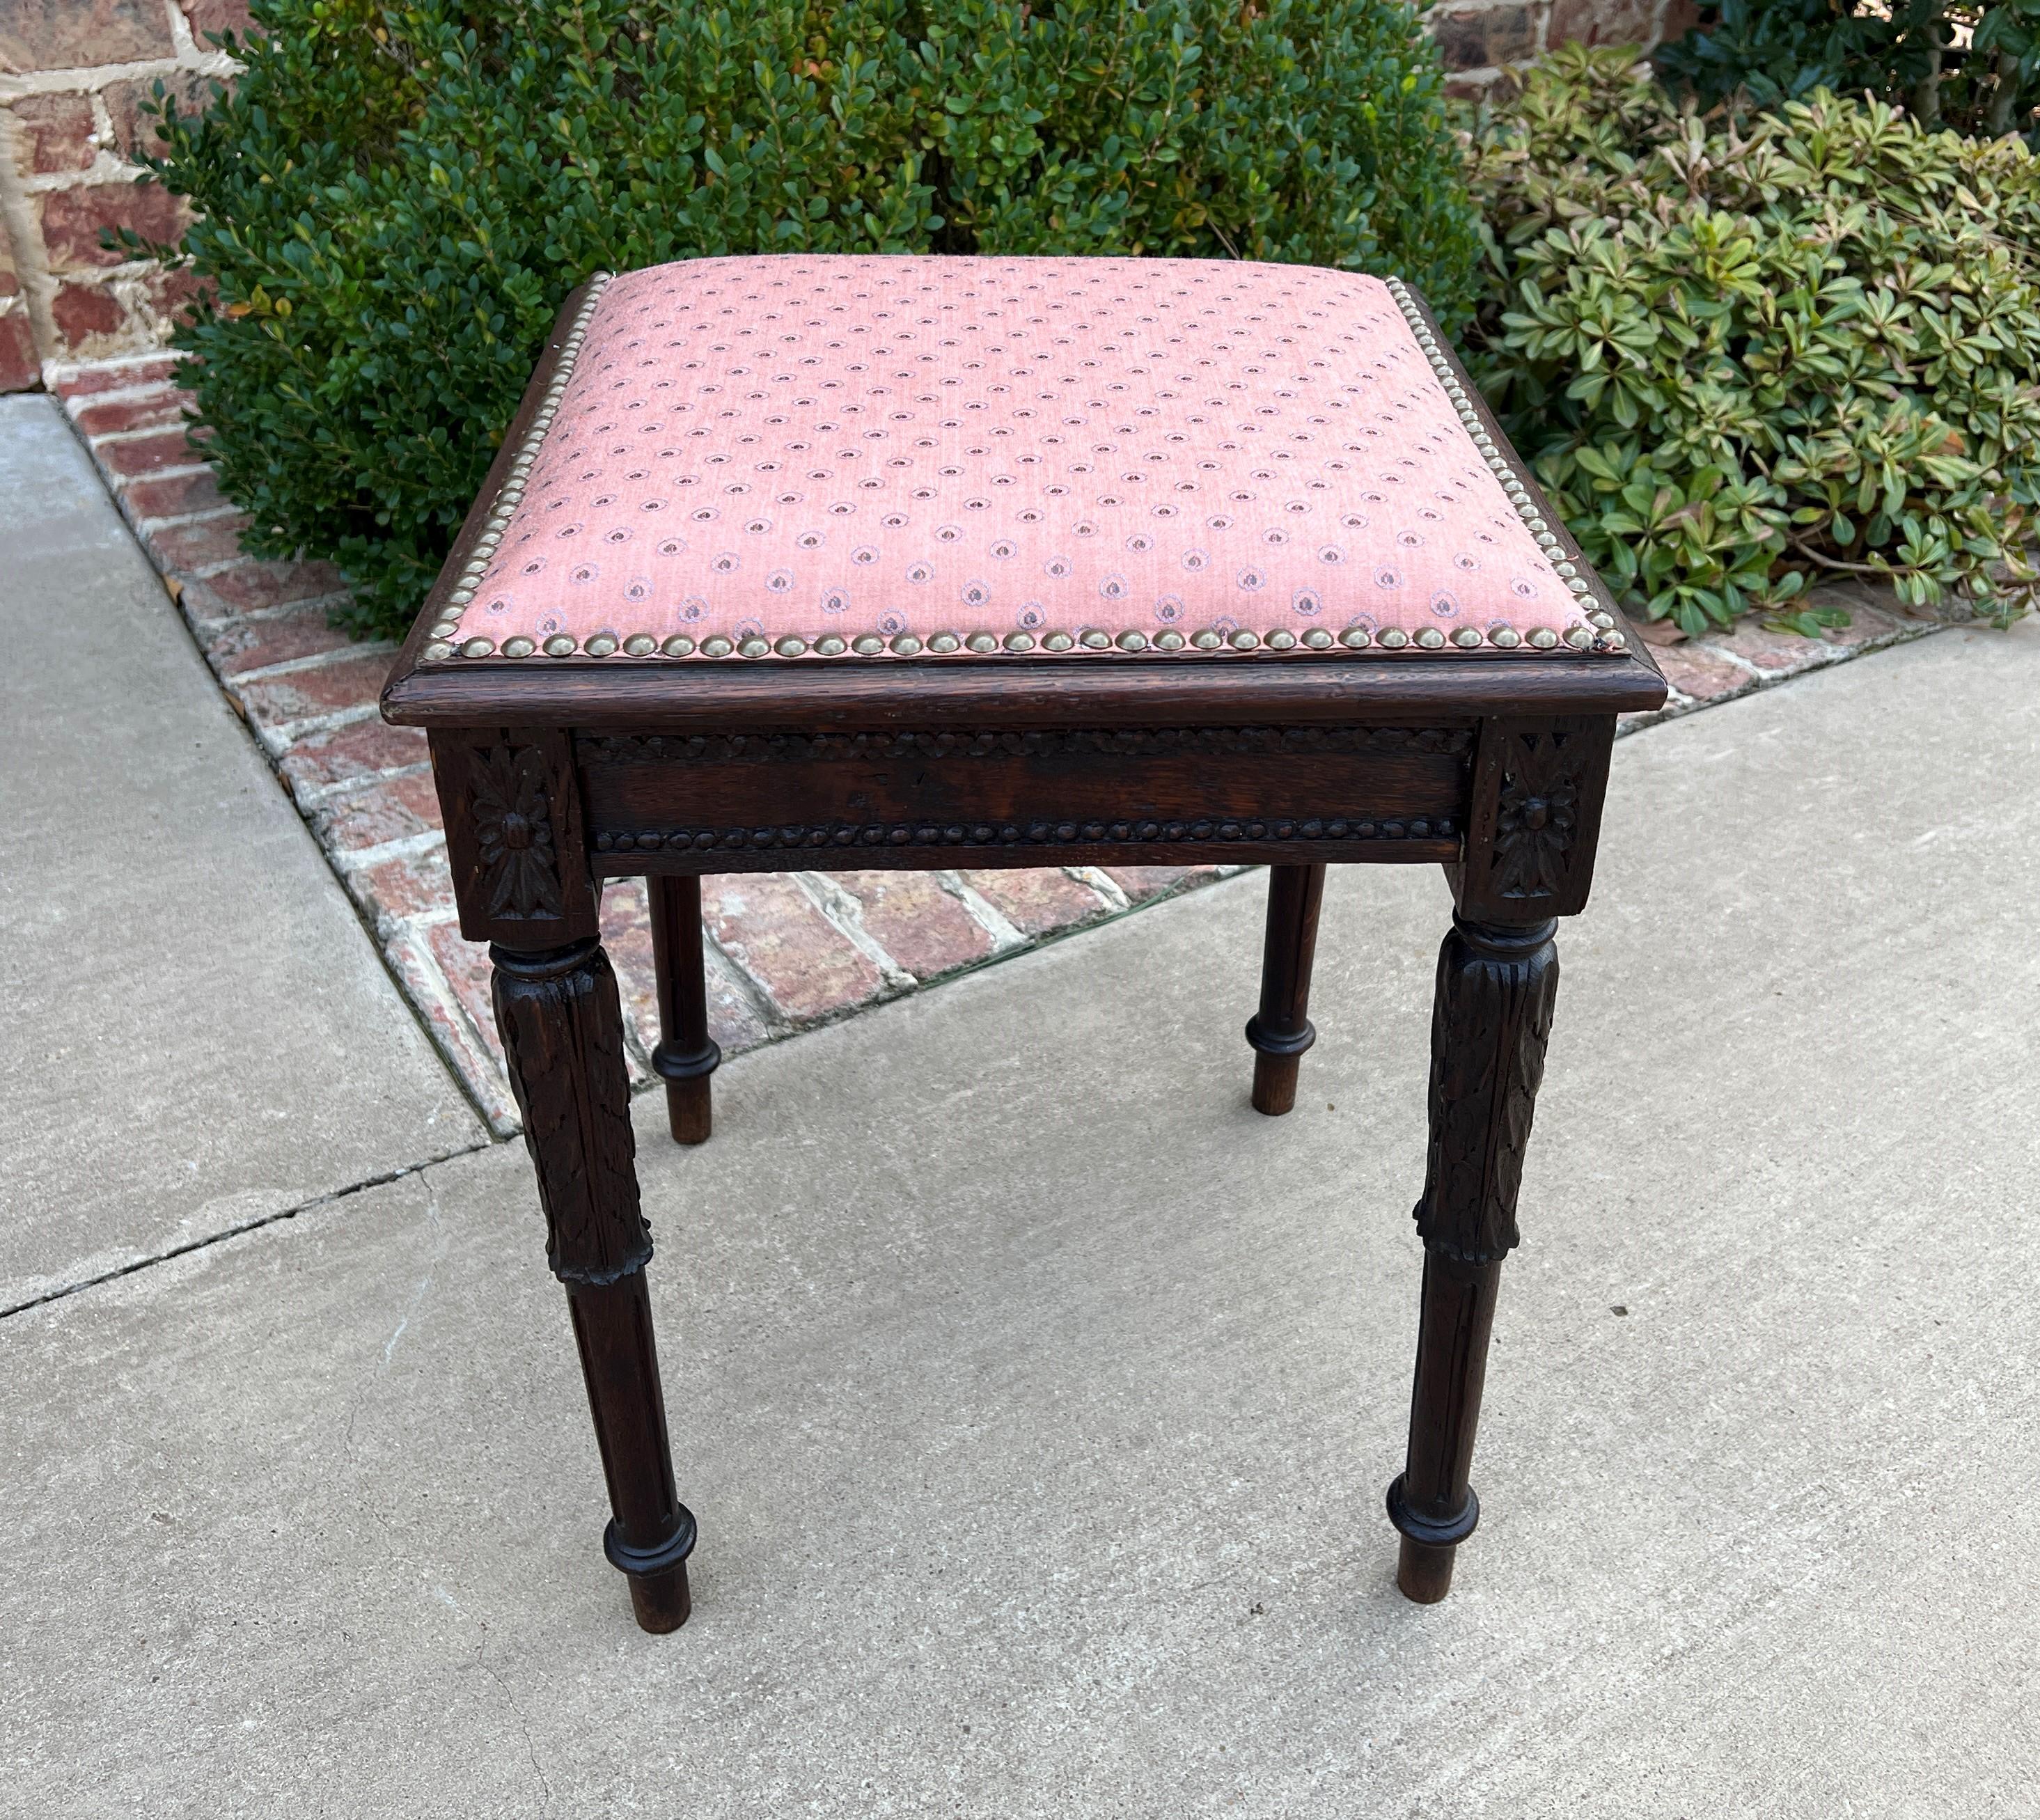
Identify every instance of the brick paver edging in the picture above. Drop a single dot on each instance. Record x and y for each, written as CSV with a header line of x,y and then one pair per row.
x,y
785,951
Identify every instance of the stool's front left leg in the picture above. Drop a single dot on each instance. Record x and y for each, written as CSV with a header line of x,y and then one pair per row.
x,y
562,1028
1490,1024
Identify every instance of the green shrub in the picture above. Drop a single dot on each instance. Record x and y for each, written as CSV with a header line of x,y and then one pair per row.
x,y
395,199
1906,52
1749,351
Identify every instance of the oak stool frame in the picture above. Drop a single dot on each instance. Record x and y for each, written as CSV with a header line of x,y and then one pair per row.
x,y
555,776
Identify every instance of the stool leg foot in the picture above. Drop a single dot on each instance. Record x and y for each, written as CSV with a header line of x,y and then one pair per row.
x,y
562,1029
1432,1503
1490,1024
660,1602
1280,1032
1423,1574
686,1057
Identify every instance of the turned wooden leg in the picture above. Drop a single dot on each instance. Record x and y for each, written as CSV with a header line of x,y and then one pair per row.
x,y
562,1030
1279,1031
1490,1024
686,1057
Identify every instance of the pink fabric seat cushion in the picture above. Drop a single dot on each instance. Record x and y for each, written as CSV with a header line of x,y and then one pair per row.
x,y
801,457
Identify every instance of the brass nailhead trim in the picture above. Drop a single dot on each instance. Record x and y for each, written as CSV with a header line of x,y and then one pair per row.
x,y
1512,484
445,642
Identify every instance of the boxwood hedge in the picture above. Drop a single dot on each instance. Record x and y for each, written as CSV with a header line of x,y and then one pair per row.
x,y
394,199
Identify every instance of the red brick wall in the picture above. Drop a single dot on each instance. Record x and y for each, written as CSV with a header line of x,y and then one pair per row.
x,y
1480,38
72,73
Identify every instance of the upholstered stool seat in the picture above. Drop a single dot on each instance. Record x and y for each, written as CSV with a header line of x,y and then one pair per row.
x,y
833,457
999,563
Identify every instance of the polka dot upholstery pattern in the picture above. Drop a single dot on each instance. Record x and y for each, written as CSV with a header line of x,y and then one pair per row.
x,y
794,457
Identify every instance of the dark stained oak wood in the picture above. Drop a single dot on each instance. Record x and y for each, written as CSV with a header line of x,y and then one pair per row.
x,y
1431,1503
1491,1018
634,695
555,774
1280,1031
916,798
515,837
687,1055
562,1029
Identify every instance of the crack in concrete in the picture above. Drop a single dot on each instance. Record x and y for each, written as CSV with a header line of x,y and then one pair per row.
x,y
235,1232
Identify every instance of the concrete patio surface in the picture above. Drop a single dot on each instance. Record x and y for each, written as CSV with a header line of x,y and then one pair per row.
x,y
199,1033
1036,1398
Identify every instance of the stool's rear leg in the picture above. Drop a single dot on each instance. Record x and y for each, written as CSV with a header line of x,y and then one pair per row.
x,y
686,1057
1279,1031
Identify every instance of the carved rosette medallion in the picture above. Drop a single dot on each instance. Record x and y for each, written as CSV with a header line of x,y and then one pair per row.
x,y
1537,821
513,832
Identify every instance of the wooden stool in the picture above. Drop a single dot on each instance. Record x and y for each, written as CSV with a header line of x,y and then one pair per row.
x,y
916,562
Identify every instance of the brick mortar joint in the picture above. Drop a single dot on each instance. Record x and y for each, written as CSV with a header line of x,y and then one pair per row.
x,y
1005,937
297,666
844,911
90,78
749,987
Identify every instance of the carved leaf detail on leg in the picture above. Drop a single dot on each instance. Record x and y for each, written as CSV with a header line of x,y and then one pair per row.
x,y
562,1028
1490,1021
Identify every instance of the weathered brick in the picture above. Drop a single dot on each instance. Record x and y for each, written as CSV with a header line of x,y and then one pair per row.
x,y
924,927
1874,608
1776,654
208,18
135,132
159,405
130,457
168,292
1705,675
359,749
394,809
1680,17
52,133
471,1047
1479,39
117,376
174,496
199,545
1603,22
72,219
78,34
1038,900
328,689
82,311
249,586
20,369
414,884
465,965
240,645
733,1021
1142,882
770,928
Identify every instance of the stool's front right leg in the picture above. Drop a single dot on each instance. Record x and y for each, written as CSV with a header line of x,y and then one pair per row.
x,y
1490,1020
